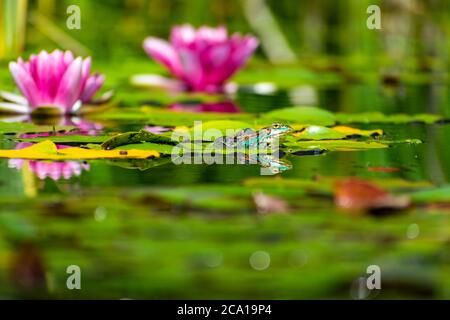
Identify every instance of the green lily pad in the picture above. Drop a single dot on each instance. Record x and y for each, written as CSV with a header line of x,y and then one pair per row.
x,y
19,127
302,115
221,126
134,138
332,145
168,118
67,139
378,117
318,133
162,148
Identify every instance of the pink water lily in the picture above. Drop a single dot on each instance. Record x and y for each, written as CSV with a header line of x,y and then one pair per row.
x,y
56,79
204,58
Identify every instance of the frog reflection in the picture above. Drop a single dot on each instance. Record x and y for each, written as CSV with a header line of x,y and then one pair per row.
x,y
258,143
264,138
270,164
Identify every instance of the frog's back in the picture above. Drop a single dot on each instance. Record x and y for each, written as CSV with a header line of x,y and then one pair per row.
x,y
246,138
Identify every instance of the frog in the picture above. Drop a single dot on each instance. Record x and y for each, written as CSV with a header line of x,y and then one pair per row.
x,y
249,138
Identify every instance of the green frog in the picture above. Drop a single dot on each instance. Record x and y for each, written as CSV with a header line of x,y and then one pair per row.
x,y
249,138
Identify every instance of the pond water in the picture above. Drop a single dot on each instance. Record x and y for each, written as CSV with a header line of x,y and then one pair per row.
x,y
192,231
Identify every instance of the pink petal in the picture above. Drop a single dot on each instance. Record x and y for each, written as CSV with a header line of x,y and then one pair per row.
x,y
211,35
68,58
69,89
86,69
93,84
243,49
44,77
25,83
182,36
193,71
164,53
216,64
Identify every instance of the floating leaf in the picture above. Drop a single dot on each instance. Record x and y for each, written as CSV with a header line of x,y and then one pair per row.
x,y
269,204
221,125
348,131
67,139
356,195
162,148
339,132
318,133
378,117
19,127
302,115
47,150
332,145
135,137
169,118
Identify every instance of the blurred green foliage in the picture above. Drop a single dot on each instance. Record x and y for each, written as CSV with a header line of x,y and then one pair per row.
x,y
188,231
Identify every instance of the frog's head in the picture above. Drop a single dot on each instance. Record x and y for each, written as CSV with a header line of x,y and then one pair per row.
x,y
278,129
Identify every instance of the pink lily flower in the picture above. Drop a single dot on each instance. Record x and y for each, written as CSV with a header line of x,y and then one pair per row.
x,y
56,79
203,59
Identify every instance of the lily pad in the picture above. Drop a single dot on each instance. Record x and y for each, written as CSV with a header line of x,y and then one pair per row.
x,y
221,126
378,117
168,118
161,148
135,137
67,139
302,115
47,150
318,133
19,127
349,131
333,145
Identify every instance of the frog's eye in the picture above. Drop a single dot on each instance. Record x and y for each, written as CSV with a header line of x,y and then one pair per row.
x,y
276,125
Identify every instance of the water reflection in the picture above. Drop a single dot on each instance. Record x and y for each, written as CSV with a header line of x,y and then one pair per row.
x,y
55,170
222,107
82,125
270,164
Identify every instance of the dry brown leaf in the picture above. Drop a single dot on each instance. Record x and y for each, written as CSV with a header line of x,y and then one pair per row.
x,y
355,194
